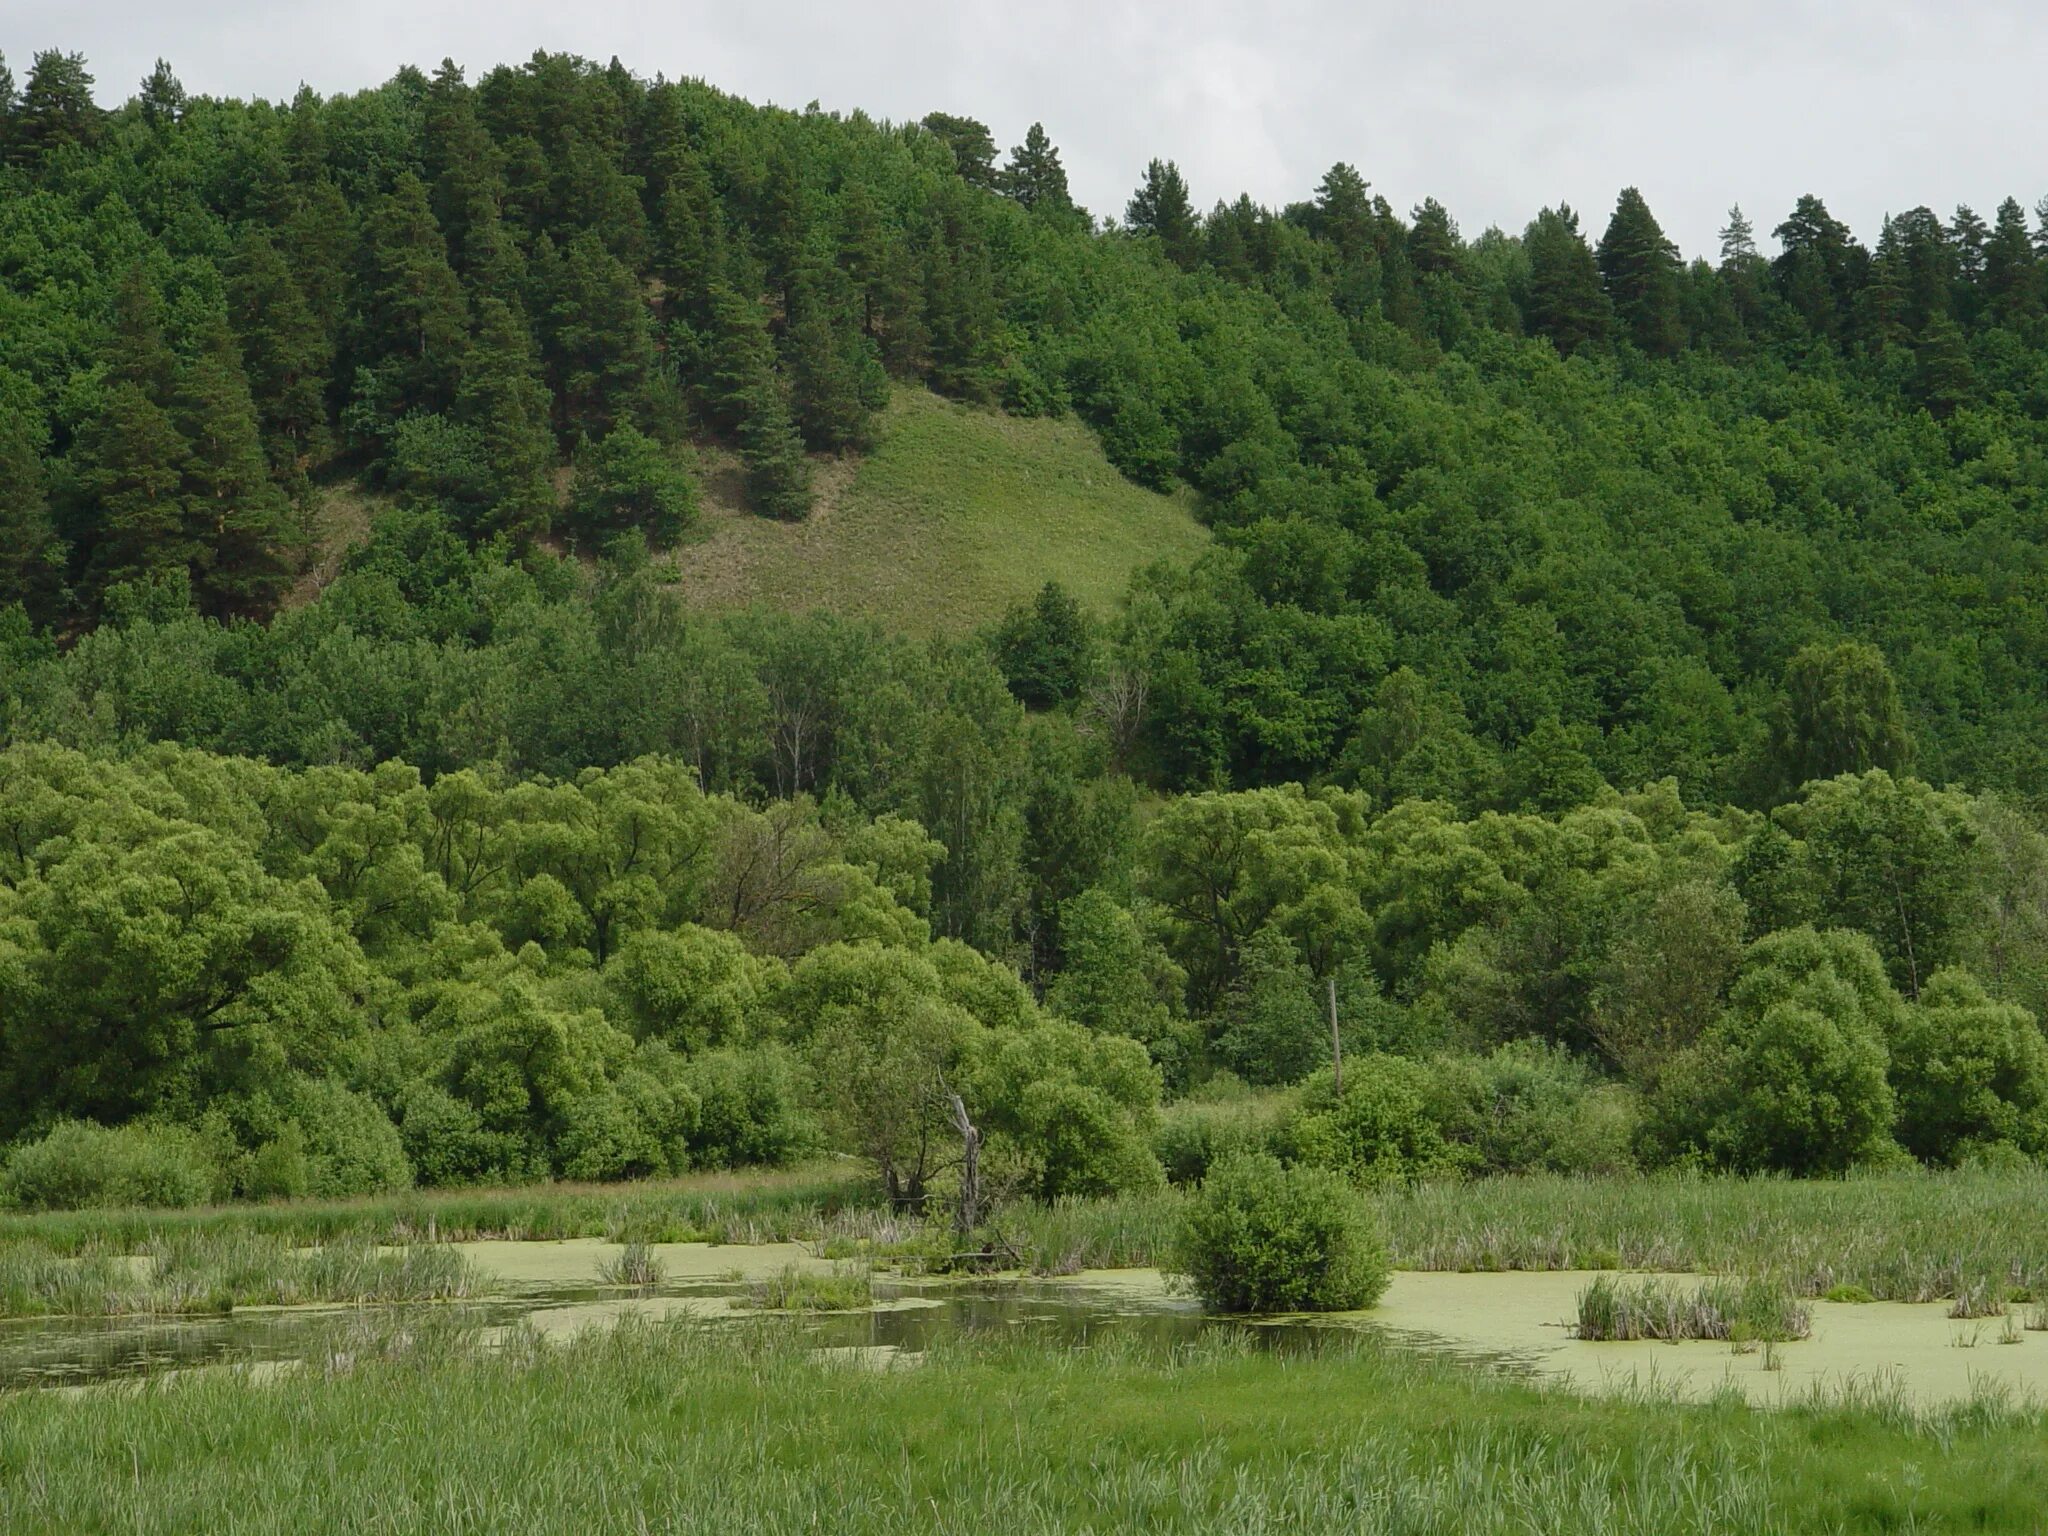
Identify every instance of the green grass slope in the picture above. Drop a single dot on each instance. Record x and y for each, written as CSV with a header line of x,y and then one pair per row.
x,y
956,514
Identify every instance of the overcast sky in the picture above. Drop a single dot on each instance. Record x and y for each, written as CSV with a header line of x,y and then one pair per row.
x,y
1495,107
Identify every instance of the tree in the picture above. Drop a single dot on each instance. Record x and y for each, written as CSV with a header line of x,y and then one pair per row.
x,y
969,143
1792,1078
1034,175
1969,1073
1816,267
625,481
56,108
411,326
2012,276
127,465
836,381
31,559
235,518
1565,301
1840,713
1639,266
503,402
162,97
597,344
1665,977
1162,209
285,352
1045,648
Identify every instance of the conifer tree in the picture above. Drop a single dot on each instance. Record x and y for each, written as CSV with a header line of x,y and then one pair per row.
x,y
162,98
504,402
972,147
31,560
411,324
127,469
56,109
1813,271
597,345
1034,175
836,379
2012,278
959,309
236,523
1433,244
1162,208
689,251
320,236
1565,300
1639,266
462,173
285,354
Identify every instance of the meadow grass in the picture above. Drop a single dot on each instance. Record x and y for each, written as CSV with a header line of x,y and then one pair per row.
x,y
957,514
677,1429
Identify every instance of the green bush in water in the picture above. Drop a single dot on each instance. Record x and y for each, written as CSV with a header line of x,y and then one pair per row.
x,y
78,1164
1261,1237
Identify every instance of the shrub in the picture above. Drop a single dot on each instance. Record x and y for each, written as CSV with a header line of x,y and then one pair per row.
x,y
1792,1077
351,1146
1380,1130
1970,1074
1194,1135
749,1108
1265,1238
78,1164
1530,1107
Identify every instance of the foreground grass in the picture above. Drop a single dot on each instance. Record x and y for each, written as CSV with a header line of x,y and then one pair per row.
x,y
957,514
674,1429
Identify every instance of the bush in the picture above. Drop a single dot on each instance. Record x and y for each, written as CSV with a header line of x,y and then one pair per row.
x,y
1265,1238
79,1164
1970,1073
1381,1130
1792,1077
351,1146
1194,1135
748,1108
1530,1107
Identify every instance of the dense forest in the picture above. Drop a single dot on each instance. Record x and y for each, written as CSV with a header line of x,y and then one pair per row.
x,y
1614,689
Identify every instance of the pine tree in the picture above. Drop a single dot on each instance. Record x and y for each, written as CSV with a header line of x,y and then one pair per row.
x,y
2012,276
285,353
1942,376
969,143
1814,270
1744,270
1433,244
1565,300
504,402
56,108
689,250
320,234
162,98
1342,212
412,324
836,379
1639,266
597,345
462,172
959,309
31,559
235,519
1034,175
127,464
1162,208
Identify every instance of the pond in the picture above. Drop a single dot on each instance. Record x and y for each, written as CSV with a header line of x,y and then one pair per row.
x,y
1515,1321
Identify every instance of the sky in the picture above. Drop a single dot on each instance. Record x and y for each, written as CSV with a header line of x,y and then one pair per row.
x,y
1494,107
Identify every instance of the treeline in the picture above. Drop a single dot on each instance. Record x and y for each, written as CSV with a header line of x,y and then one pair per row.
x,y
1577,488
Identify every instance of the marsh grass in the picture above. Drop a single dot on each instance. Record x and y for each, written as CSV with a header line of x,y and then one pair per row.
x,y
676,1427
636,1265
1744,1312
846,1288
759,1205
190,1273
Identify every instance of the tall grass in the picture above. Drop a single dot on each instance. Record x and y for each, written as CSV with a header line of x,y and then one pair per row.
x,y
750,1206
216,1271
1754,1311
673,1428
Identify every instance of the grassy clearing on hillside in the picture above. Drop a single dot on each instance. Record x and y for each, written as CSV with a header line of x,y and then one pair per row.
x,y
673,1428
957,514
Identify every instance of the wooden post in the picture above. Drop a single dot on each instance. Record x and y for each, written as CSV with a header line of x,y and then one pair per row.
x,y
1336,1044
968,1216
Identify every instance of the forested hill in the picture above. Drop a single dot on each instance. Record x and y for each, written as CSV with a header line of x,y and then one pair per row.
x,y
1496,519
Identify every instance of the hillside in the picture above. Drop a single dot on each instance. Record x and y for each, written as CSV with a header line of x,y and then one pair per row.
x,y
956,514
